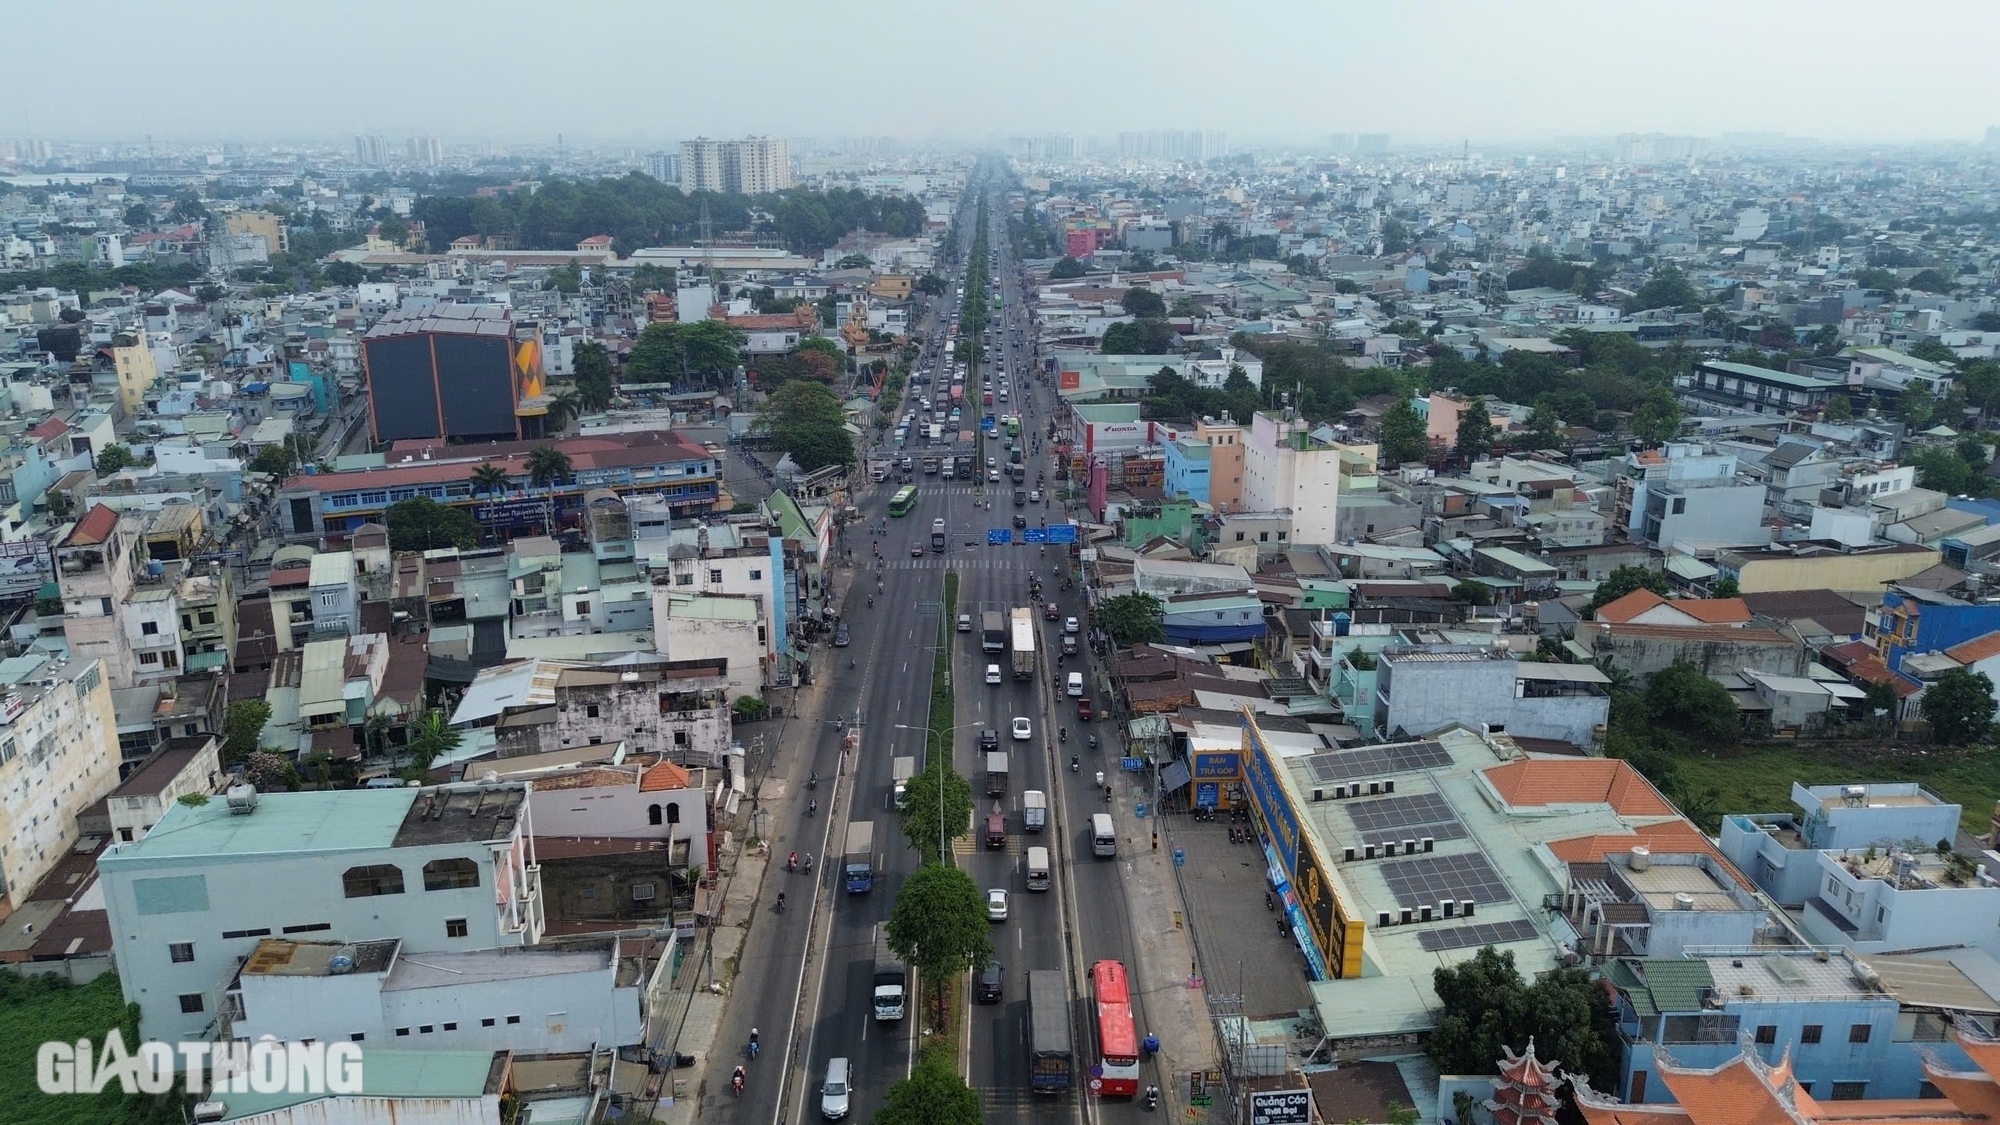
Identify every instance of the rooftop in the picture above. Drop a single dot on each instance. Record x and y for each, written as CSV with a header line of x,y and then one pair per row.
x,y
398,1074
330,821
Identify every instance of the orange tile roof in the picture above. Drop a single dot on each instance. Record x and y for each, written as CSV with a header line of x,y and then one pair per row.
x,y
95,527
1569,781
1714,611
1976,649
1620,610
663,777
1668,837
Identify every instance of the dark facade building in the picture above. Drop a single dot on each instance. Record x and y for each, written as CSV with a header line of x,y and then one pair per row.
x,y
447,372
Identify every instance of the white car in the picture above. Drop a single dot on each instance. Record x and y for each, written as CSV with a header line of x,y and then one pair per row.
x,y
992,673
992,476
996,905
1022,730
1069,625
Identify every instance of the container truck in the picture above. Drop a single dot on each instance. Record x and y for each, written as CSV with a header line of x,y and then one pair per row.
x,y
1024,643
903,770
996,773
858,863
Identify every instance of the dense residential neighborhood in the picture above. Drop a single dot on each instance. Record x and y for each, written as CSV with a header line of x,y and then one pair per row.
x,y
596,627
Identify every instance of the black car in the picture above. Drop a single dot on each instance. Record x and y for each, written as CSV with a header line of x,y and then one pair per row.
x,y
989,739
988,987
1020,520
840,635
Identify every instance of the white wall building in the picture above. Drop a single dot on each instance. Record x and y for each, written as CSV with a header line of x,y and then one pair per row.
x,y
58,755
446,868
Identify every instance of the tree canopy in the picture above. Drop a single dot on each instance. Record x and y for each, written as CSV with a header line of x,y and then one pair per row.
x,y
1133,619
637,210
806,420
1144,303
422,524
938,923
1959,707
1066,268
1485,1005
1626,579
923,798
704,350
1404,435
243,729
1679,697
1667,288
1475,430
1138,337
933,1094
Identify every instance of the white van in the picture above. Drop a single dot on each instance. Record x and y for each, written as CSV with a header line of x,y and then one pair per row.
x,y
992,673
1038,869
1103,838
833,1092
1075,688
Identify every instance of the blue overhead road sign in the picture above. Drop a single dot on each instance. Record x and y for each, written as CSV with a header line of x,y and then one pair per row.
x,y
1062,533
1034,535
998,536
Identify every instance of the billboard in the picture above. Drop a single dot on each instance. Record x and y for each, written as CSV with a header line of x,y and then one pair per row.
x,y
1070,380
1281,1107
475,380
24,566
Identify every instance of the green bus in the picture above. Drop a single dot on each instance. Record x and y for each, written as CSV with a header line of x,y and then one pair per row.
x,y
904,499
1013,425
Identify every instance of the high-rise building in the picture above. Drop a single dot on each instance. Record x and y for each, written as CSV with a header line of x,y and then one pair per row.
x,y
664,166
1371,144
750,166
425,152
371,150
1174,144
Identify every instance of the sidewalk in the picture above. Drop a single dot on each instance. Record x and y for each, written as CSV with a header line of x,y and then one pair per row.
x,y
1176,1009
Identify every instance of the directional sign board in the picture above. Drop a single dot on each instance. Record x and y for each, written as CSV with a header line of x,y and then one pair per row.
x,y
999,536
1034,535
1132,765
1062,533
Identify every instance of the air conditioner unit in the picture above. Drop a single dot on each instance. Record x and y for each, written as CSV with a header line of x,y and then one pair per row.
x,y
1347,855
1389,786
1381,917
1319,794
1409,847
1340,792
1405,913
1388,847
1446,907
1465,908
1424,912
1374,787
1429,842
1368,851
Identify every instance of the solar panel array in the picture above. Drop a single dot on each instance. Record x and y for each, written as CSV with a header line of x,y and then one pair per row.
x,y
1378,761
1466,937
1410,817
1431,879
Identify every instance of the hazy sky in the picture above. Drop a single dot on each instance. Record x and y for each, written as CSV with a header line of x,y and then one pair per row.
x,y
524,70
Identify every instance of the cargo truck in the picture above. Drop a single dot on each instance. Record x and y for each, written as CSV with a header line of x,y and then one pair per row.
x,y
858,864
892,979
901,772
937,535
992,631
1024,643
930,463
996,773
1034,810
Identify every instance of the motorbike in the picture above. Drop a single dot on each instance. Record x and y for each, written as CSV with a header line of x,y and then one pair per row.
x,y
812,807
1073,766
813,781
1093,742
871,601
1100,777
736,1082
792,862
781,902
1152,1098
1062,735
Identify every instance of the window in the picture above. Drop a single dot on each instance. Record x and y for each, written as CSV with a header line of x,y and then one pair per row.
x,y
229,934
1849,1091
1263,537
371,879
643,892
206,617
756,576
653,814
426,1029
149,628
311,928
715,576
450,874
583,609
591,711
1810,1033
673,814
513,1019
357,1037
487,1022
1767,1033
1858,1033
684,579
180,952
192,1003
402,1031
149,658
451,1027
454,927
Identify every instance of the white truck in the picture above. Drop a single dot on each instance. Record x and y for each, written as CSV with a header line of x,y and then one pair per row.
x,y
892,979
1034,810
1022,623
901,772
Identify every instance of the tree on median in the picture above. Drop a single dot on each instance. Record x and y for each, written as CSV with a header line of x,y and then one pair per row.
x,y
929,801
939,924
933,1094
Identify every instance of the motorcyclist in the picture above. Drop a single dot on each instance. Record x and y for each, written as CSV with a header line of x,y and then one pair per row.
x,y
781,902
1100,777
1073,765
736,1081
753,1043
792,862
812,809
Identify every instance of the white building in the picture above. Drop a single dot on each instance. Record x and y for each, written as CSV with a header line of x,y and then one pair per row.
x,y
443,869
58,755
708,626
1288,469
575,997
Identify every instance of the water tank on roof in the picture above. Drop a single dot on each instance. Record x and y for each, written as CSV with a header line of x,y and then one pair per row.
x,y
341,962
256,388
155,568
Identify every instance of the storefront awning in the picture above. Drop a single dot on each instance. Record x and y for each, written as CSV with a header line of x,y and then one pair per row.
x,y
1174,776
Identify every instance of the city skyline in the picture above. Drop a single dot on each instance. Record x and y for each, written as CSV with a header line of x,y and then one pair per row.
x,y
1286,72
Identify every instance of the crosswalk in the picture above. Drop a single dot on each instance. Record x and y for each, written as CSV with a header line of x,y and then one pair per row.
x,y
975,843
981,557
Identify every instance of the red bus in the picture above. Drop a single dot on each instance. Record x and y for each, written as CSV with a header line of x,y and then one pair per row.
x,y
1117,1041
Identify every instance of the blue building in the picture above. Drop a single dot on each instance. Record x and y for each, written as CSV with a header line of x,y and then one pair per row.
x,y
1853,1029
1913,619
1187,462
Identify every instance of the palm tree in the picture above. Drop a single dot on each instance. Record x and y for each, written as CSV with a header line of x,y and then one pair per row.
x,y
563,407
547,465
489,477
593,394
